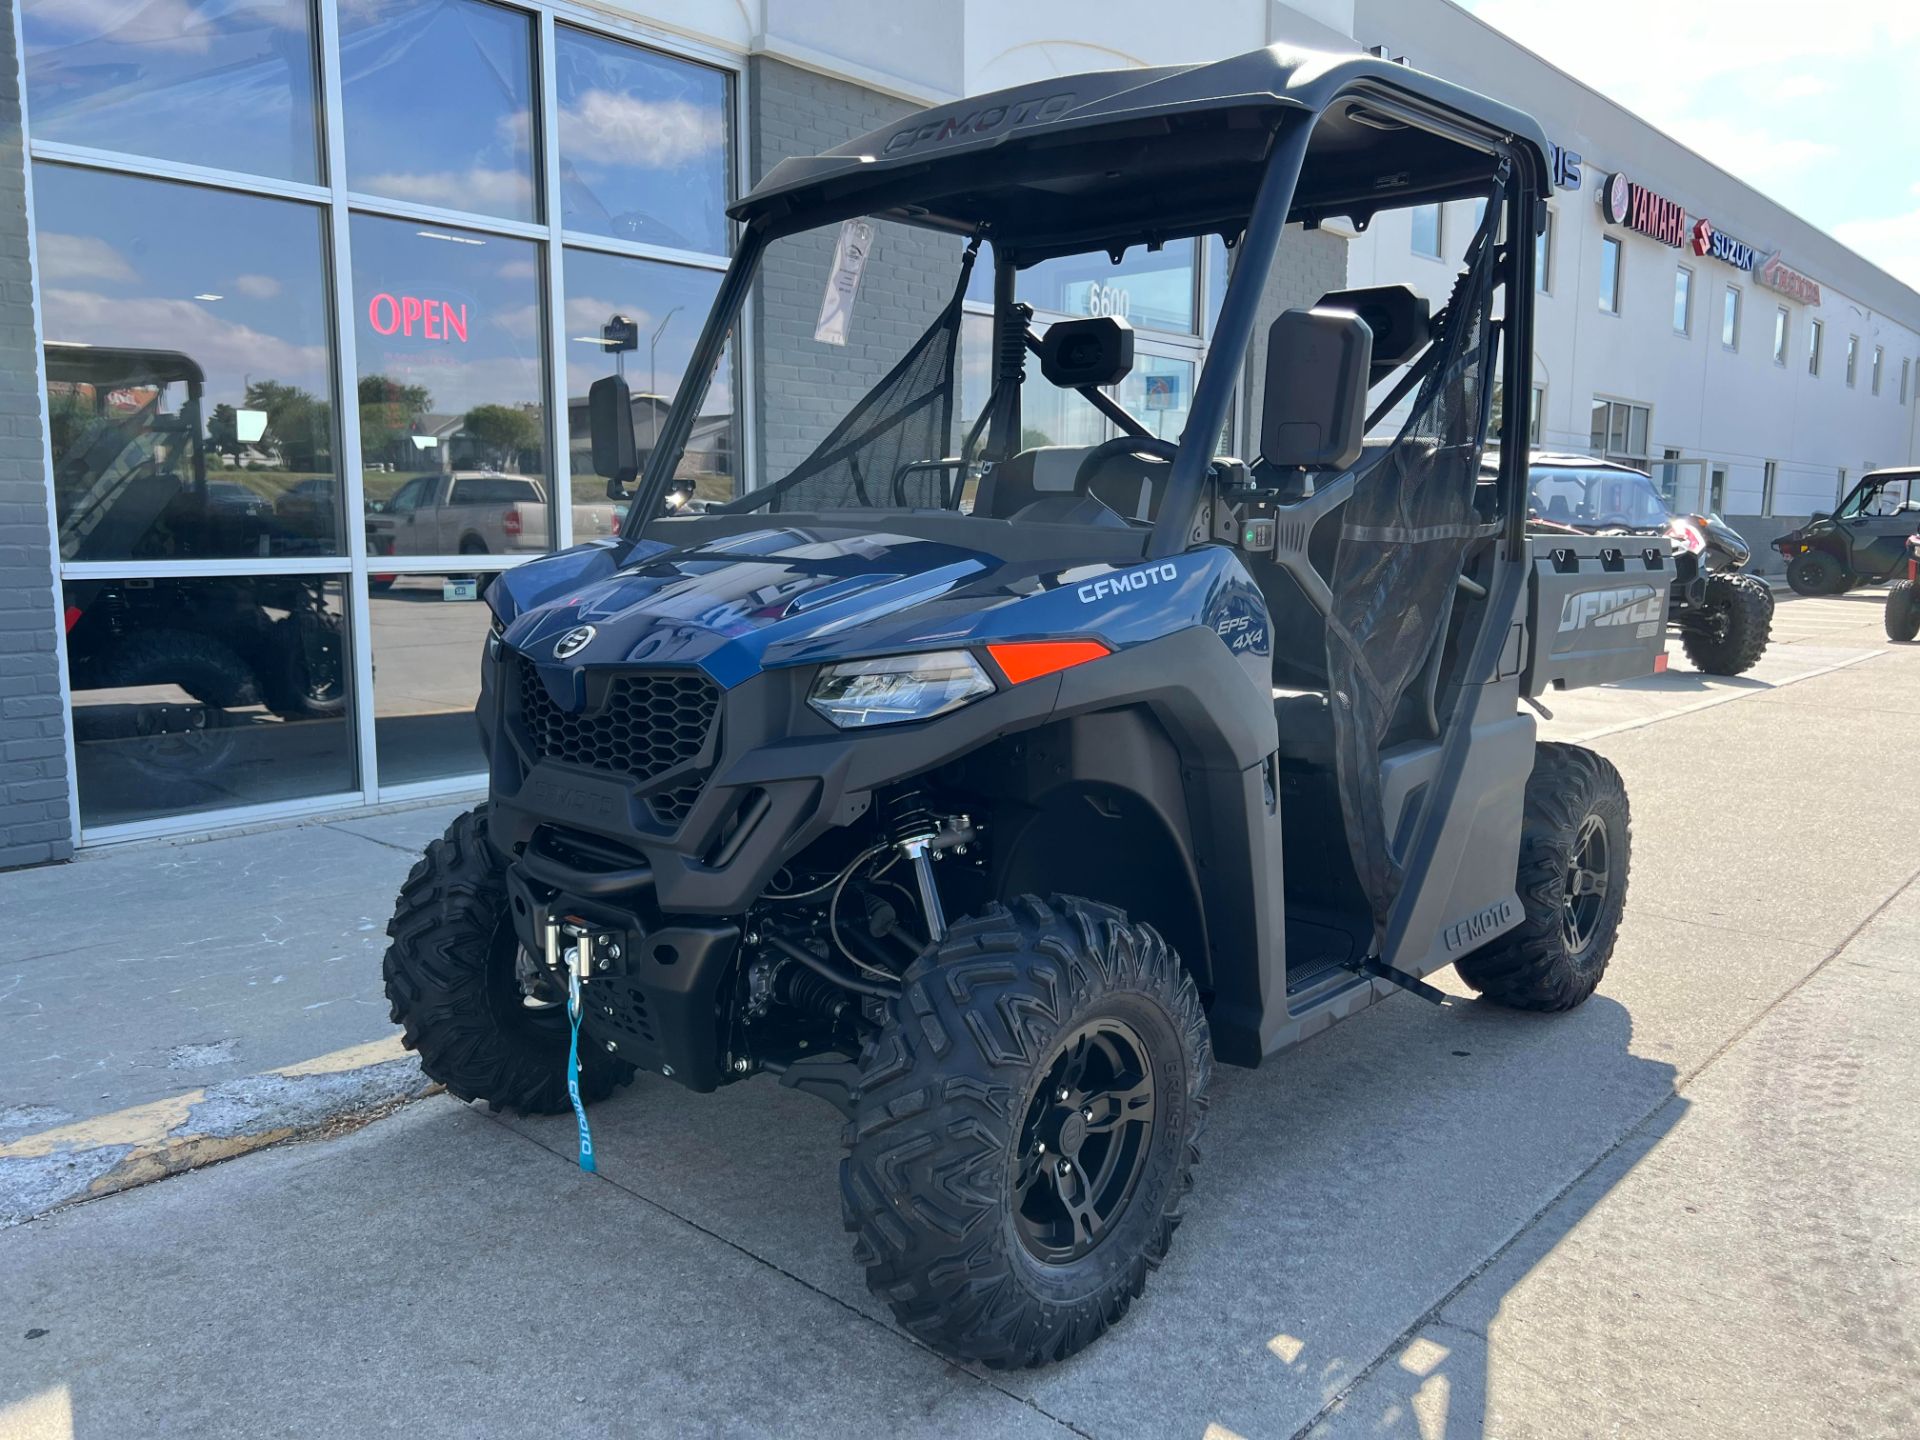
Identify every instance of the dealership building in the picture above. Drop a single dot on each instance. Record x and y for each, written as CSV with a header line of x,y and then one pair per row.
x,y
300,302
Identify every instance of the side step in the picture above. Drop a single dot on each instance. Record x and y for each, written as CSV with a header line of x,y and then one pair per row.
x,y
1413,985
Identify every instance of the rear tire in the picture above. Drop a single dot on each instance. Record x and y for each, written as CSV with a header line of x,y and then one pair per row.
x,y
451,983
1903,611
1576,833
1816,573
989,1242
1733,631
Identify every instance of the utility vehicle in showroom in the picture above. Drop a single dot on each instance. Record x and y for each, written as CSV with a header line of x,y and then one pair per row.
x,y
1864,540
1724,618
992,791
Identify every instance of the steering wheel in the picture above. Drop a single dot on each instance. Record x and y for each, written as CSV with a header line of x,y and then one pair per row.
x,y
1106,450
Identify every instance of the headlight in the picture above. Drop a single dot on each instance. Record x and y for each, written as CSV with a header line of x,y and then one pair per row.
x,y
898,688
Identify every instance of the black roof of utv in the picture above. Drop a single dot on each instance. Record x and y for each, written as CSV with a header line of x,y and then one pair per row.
x,y
1112,158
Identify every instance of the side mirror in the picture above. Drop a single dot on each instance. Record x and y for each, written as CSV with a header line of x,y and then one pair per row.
x,y
1094,351
1314,412
610,422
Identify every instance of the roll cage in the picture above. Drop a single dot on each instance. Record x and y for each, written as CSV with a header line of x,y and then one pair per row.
x,y
1109,160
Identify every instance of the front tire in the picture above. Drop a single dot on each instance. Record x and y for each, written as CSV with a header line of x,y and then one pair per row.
x,y
1025,1129
452,985
1903,611
1731,635
1575,843
1816,573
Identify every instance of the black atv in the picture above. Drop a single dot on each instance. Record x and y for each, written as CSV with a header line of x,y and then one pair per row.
x,y
1863,542
1903,597
1724,618
993,792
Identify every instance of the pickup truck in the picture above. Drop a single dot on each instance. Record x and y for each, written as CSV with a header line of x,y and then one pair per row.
x,y
475,512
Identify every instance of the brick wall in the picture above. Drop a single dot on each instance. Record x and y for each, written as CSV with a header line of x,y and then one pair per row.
x,y
806,388
34,824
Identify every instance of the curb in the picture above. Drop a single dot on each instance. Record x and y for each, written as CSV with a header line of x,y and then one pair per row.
x,y
111,1153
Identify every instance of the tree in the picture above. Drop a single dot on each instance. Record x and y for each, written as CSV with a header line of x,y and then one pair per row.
x,y
502,431
387,412
299,424
223,430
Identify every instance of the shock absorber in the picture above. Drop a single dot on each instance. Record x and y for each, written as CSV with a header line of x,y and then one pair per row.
x,y
913,827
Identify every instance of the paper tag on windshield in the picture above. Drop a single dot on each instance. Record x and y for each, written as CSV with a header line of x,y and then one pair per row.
x,y
849,259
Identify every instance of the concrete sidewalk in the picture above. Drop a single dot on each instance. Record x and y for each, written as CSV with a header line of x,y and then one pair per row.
x,y
167,1004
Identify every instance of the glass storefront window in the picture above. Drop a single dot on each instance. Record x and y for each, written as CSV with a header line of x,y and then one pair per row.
x,y
194,694
428,631
643,144
665,305
204,82
1148,289
439,104
453,421
189,364
1159,392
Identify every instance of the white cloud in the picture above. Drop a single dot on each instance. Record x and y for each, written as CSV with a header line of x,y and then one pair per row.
x,y
178,25
67,258
1891,242
518,270
220,347
615,129
256,287
587,313
479,188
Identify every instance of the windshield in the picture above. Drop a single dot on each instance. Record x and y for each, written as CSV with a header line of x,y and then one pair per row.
x,y
1880,500
878,364
1597,499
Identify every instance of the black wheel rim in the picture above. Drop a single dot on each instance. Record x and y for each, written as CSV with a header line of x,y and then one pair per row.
x,y
1589,874
1084,1143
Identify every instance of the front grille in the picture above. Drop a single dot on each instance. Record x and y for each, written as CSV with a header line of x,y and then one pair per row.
x,y
644,724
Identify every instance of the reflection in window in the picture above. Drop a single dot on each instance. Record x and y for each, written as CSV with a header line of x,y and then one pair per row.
x,y
1158,393
427,634
1427,238
439,104
665,306
199,694
189,362
205,82
448,327
643,144
1150,289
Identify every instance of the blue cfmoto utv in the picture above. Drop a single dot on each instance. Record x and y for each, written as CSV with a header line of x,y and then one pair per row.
x,y
993,788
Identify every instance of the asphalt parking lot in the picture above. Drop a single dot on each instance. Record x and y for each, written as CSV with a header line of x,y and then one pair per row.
x,y
1690,1208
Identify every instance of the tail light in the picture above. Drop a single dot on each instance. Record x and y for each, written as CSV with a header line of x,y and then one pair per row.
x,y
1687,535
510,522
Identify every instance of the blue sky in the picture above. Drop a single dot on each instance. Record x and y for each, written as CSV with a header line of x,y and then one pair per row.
x,y
1816,105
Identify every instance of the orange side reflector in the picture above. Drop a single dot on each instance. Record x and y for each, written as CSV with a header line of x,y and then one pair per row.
x,y
1030,659
1660,664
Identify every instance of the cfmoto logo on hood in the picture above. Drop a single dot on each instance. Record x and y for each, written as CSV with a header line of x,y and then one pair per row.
x,y
573,642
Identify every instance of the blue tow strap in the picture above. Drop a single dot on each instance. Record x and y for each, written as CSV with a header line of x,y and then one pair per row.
x,y
573,1071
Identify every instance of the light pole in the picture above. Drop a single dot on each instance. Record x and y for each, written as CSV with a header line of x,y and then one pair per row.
x,y
653,382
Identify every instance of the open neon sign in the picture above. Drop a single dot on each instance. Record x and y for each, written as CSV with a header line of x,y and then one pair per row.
x,y
400,314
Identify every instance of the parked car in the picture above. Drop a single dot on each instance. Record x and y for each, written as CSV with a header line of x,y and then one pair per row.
x,y
475,512
1724,618
1863,542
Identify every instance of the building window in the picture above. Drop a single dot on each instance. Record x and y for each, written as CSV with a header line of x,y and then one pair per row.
x,y
1427,228
1619,431
1717,490
644,143
218,560
1539,408
1730,318
1853,358
1543,257
439,104
1769,479
1781,322
226,86
1816,333
1879,357
1905,362
1610,274
1682,301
